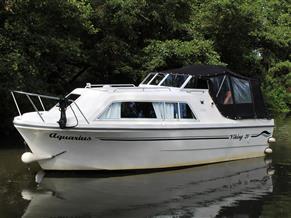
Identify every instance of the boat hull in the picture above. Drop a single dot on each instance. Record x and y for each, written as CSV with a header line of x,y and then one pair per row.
x,y
127,149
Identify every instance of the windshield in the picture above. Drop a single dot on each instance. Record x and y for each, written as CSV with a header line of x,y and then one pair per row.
x,y
175,80
157,79
148,78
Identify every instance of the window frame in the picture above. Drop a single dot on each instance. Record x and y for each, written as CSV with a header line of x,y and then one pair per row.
x,y
186,82
164,76
195,119
152,78
154,74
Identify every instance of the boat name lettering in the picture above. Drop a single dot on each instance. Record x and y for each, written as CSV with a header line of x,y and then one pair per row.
x,y
239,137
65,137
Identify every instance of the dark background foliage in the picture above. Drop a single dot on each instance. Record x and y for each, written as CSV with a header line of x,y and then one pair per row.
x,y
54,46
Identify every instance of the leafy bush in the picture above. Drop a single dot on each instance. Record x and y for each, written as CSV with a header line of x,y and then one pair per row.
x,y
275,91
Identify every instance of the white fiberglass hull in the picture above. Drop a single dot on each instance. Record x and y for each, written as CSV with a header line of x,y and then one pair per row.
x,y
126,149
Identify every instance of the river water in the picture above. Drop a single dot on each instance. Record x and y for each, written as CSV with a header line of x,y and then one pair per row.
x,y
258,187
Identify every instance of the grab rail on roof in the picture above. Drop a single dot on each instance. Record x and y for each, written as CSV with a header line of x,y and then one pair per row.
x,y
28,95
89,85
193,90
143,88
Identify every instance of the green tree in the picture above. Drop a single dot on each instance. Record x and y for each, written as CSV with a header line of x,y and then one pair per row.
x,y
252,37
43,46
277,84
141,36
52,46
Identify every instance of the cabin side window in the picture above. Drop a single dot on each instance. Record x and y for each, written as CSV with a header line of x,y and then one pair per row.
x,y
112,112
137,110
119,110
185,111
148,110
171,111
196,83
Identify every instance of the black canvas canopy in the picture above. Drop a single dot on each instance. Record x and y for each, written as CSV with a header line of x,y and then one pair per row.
x,y
200,70
236,96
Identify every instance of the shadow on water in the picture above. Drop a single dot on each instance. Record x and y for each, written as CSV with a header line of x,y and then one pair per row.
x,y
245,188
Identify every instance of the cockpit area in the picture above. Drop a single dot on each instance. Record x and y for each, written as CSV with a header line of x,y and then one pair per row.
x,y
236,96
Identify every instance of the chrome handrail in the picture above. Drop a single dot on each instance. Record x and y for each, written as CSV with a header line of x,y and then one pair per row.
x,y
81,112
28,94
34,94
89,85
35,108
39,96
143,88
16,104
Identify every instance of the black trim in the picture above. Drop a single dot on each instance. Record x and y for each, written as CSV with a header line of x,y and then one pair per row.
x,y
163,139
198,149
58,154
264,133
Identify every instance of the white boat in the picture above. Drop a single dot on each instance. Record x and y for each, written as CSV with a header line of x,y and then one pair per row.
x,y
193,115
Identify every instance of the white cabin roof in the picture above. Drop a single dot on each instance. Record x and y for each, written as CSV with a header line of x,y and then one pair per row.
x,y
95,100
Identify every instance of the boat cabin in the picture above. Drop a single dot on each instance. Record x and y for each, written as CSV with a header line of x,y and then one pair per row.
x,y
236,96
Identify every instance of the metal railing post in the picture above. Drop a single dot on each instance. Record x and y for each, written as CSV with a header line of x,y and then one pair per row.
x,y
35,108
16,104
40,101
81,112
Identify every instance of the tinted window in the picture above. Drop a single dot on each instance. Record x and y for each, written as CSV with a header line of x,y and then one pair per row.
x,y
196,83
157,79
185,111
175,80
137,110
191,83
148,78
73,97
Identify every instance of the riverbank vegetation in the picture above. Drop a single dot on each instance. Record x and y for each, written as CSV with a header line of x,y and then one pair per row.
x,y
53,46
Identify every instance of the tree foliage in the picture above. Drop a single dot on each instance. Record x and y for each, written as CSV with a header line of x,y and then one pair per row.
x,y
43,46
277,86
52,46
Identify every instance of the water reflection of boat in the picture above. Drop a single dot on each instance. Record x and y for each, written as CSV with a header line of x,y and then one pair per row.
x,y
197,192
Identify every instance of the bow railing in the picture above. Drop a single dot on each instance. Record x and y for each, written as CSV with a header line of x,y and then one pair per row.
x,y
40,99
